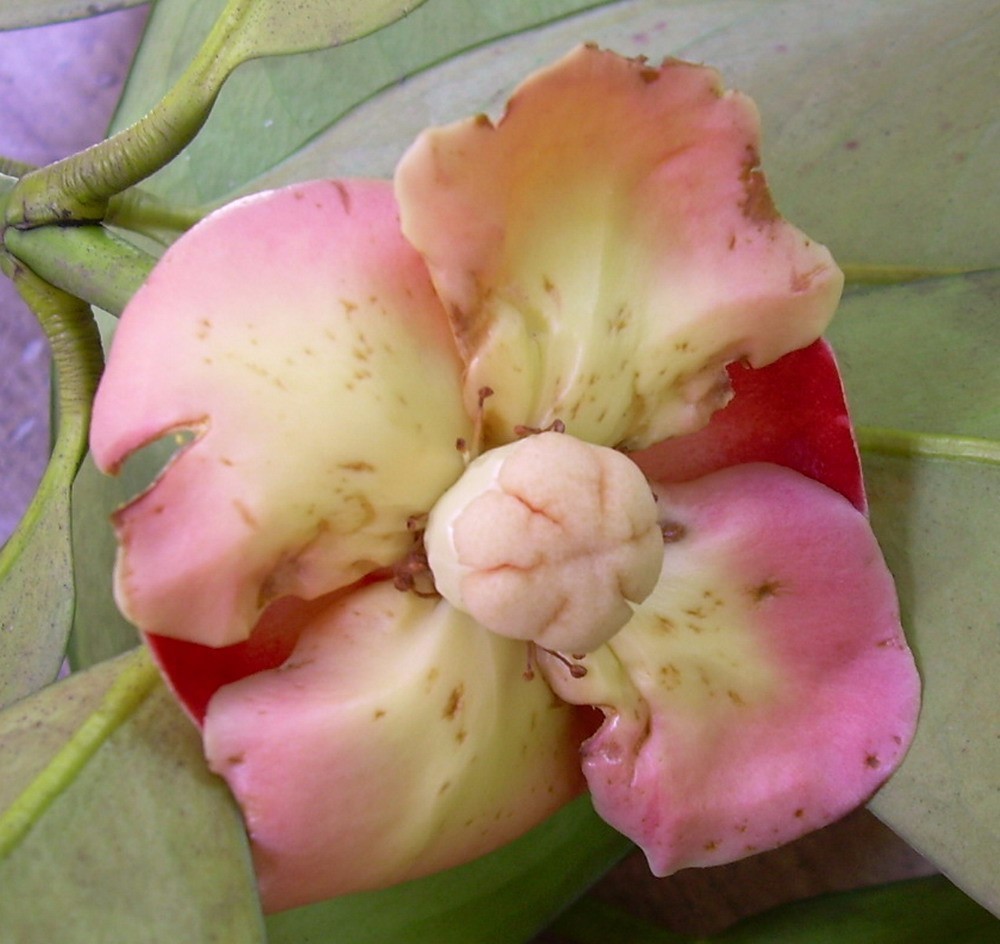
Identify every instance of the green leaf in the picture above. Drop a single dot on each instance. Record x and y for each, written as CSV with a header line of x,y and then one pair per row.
x,y
111,827
937,520
921,911
923,357
18,13
921,365
36,580
270,108
507,896
276,27
36,572
99,630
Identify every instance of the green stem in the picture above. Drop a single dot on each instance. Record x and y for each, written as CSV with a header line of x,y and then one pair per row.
x,y
901,442
87,261
79,187
864,274
127,692
145,213
77,356
13,168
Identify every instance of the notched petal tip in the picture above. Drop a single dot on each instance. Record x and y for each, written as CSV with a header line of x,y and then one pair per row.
x,y
303,332
764,689
609,285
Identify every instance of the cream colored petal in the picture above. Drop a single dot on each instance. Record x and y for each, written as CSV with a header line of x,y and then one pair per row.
x,y
608,247
298,335
764,689
399,739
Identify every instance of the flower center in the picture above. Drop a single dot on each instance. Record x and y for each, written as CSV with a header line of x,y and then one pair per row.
x,y
547,539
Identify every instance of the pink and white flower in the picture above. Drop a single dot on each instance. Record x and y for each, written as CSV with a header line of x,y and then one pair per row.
x,y
581,347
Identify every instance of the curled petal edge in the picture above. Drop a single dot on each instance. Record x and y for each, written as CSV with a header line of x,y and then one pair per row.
x,y
764,689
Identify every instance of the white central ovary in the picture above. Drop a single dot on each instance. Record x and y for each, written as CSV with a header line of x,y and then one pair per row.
x,y
547,539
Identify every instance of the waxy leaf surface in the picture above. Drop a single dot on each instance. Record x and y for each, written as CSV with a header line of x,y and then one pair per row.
x,y
111,826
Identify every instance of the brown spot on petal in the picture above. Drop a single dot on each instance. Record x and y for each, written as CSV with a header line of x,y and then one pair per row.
x,y
764,591
245,513
454,703
757,205
872,761
345,196
673,531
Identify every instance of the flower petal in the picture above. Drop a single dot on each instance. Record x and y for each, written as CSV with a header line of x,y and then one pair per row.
x,y
398,739
791,413
608,247
299,335
764,689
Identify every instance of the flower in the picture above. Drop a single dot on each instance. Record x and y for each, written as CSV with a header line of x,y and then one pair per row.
x,y
488,361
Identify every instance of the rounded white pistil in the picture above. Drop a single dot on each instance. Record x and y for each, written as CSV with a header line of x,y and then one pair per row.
x,y
548,539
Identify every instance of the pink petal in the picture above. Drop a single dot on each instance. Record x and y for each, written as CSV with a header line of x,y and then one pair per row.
x,y
398,739
790,413
298,335
765,688
608,247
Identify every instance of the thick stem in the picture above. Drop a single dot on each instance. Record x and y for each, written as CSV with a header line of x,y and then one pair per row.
x,y
79,187
88,262
77,356
145,213
14,168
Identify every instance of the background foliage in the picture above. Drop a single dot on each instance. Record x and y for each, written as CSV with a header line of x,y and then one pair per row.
x,y
880,132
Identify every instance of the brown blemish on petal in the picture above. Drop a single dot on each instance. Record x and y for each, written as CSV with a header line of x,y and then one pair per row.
x,y
454,703
764,591
345,196
670,676
758,205
356,466
379,713
872,761
673,531
245,513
